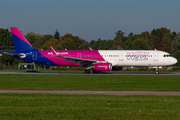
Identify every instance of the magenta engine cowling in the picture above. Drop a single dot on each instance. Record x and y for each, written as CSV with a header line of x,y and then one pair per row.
x,y
103,66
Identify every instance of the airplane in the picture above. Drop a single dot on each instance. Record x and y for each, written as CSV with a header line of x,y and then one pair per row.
x,y
93,60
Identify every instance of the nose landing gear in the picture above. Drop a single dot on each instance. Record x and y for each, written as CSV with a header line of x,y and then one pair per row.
x,y
157,70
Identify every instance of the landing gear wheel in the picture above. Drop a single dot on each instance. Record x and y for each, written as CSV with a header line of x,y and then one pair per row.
x,y
94,71
157,72
87,71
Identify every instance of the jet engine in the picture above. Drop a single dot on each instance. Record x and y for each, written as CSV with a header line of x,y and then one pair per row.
x,y
116,68
103,66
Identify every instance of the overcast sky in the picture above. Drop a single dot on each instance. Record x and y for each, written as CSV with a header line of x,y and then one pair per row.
x,y
90,19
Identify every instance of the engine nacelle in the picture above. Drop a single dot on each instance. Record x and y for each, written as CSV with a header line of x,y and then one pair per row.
x,y
117,68
103,66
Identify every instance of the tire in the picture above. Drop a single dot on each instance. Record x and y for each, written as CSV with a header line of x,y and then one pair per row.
x,y
94,71
87,71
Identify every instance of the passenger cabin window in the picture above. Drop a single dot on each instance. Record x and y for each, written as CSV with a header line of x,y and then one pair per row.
x,y
167,55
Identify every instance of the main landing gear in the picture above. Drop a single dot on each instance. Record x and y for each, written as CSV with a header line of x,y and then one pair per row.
x,y
94,71
88,71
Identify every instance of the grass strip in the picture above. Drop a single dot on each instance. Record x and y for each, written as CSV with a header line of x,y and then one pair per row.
x,y
91,82
52,106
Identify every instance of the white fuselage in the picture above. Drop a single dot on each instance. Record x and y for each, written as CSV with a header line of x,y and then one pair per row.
x,y
151,58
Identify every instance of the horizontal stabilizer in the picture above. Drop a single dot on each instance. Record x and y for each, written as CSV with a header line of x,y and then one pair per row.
x,y
14,54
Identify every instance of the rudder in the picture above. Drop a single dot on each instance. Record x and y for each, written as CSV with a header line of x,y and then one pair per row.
x,y
20,42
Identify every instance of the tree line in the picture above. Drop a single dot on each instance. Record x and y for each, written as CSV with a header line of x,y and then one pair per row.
x,y
161,39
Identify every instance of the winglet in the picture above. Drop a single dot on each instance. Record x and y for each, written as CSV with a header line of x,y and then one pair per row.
x,y
53,50
90,48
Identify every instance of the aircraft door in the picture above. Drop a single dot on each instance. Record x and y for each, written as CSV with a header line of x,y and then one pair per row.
x,y
155,57
121,57
79,55
34,55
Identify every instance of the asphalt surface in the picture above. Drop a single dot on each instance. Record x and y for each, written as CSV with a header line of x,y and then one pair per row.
x,y
82,73
79,92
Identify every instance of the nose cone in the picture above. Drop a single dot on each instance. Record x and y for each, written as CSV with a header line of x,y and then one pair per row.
x,y
174,61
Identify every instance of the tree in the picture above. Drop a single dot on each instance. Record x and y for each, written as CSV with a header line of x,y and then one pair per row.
x,y
84,46
109,44
97,45
130,34
167,41
118,39
81,44
33,37
129,42
66,36
17,61
165,36
77,42
57,35
145,35
158,44
140,44
175,45
58,47
41,42
92,42
159,32
69,44
104,45
5,37
7,60
51,42
173,35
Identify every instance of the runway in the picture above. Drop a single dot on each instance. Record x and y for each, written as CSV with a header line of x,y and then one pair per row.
x,y
82,73
83,92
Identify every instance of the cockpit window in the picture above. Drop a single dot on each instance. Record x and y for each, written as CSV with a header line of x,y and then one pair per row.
x,y
167,55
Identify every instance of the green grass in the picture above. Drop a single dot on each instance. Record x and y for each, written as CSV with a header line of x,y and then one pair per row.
x,y
51,106
91,82
95,107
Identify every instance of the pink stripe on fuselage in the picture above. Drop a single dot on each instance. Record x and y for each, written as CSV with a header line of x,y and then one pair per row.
x,y
84,54
15,31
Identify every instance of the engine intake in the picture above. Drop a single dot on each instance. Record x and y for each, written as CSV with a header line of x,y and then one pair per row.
x,y
103,66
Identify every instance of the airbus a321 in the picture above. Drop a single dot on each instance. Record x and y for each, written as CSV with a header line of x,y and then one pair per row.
x,y
95,60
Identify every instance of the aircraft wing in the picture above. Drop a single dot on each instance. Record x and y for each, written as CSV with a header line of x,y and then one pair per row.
x,y
77,60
